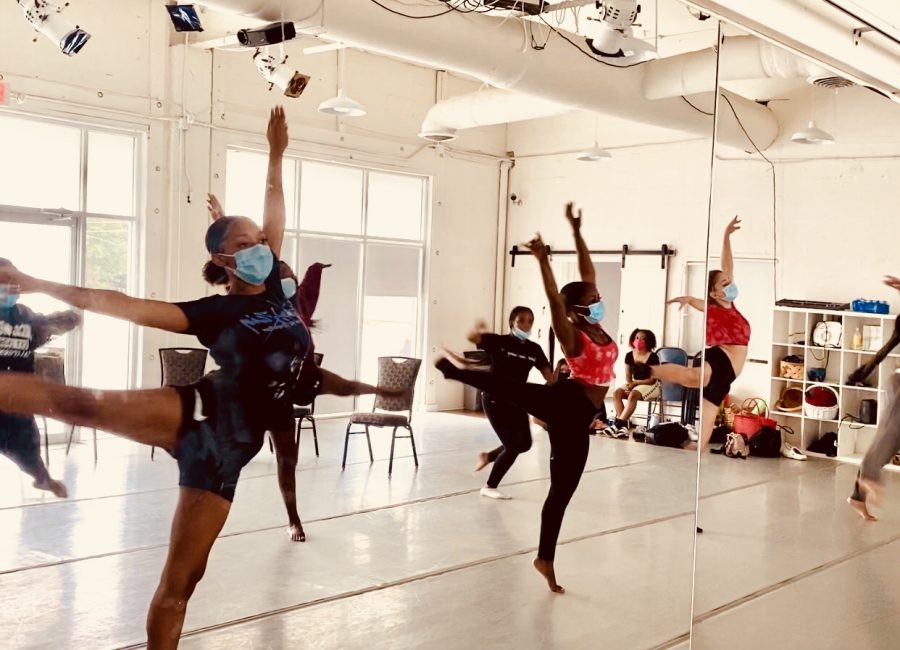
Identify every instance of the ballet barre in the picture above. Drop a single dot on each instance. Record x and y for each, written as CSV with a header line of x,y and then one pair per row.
x,y
663,251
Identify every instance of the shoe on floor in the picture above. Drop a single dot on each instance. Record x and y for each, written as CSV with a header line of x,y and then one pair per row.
x,y
621,432
493,493
791,452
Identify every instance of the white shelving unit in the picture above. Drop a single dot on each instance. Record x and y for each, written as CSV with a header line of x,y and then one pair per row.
x,y
792,334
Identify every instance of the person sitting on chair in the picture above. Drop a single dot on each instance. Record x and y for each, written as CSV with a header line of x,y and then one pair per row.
x,y
639,384
21,333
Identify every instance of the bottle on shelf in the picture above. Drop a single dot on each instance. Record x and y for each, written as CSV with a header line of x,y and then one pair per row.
x,y
857,339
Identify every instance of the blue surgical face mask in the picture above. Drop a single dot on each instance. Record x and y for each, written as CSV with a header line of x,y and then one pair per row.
x,y
8,300
596,312
253,264
731,292
289,286
522,335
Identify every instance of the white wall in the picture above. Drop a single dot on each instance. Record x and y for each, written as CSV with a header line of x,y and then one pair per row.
x,y
654,191
128,74
836,228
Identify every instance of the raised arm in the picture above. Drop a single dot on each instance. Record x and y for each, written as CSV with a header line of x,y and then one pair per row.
x,y
565,332
585,265
149,313
696,303
274,215
727,258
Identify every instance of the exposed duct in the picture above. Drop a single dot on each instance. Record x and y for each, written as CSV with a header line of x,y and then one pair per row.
x,y
742,58
490,49
483,108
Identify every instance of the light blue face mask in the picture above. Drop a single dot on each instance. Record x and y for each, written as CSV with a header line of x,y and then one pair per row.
x,y
8,300
289,286
522,335
596,312
253,264
731,292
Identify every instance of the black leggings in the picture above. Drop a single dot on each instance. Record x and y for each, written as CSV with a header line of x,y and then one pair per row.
x,y
568,412
512,427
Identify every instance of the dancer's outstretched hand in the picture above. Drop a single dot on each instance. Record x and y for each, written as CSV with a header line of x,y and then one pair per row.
x,y
573,219
892,282
214,208
537,247
682,301
733,226
277,133
10,275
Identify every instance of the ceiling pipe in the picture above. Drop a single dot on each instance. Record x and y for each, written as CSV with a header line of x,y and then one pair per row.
x,y
483,108
742,58
490,49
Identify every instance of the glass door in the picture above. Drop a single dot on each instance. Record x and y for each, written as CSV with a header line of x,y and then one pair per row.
x,y
42,245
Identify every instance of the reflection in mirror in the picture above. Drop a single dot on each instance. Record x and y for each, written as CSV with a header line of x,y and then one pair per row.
x,y
636,162
792,555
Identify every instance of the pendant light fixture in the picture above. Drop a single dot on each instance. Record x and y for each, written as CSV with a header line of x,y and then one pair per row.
x,y
812,134
342,105
594,153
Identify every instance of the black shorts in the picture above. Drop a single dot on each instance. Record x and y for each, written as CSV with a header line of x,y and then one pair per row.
x,y
721,376
20,441
207,459
308,383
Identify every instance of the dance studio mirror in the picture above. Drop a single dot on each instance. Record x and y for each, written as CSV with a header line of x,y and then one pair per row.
x,y
784,560
399,157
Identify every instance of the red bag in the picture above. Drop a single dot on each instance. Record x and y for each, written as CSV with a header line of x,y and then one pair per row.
x,y
749,422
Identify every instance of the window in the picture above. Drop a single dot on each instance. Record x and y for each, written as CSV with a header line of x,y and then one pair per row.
x,y
68,213
369,225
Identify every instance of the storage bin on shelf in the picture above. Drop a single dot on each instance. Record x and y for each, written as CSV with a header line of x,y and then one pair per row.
x,y
821,402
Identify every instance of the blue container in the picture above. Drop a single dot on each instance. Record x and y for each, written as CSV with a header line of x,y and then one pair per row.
x,y
870,306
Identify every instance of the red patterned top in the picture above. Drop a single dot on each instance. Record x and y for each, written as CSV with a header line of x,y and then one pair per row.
x,y
726,326
594,366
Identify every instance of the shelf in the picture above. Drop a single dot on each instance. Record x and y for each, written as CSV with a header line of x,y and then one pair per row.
x,y
787,414
823,383
796,381
791,345
863,388
812,419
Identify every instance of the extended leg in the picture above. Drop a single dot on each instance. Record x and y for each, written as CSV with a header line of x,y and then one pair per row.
x,y
151,417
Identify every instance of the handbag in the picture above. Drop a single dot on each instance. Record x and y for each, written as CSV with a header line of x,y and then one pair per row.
x,y
753,416
827,334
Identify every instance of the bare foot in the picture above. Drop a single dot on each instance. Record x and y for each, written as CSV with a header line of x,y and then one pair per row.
x,y
296,532
871,490
483,460
546,569
56,487
861,509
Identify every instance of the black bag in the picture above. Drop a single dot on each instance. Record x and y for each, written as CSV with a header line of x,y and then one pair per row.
x,y
719,434
667,434
766,443
827,445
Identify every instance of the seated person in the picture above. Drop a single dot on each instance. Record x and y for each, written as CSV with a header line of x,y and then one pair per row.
x,y
640,385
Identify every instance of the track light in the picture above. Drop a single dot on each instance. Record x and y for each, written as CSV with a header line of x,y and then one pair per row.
x,y
271,34
610,34
44,16
291,81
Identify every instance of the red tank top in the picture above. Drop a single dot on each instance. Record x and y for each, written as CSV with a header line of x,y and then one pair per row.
x,y
726,326
594,366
